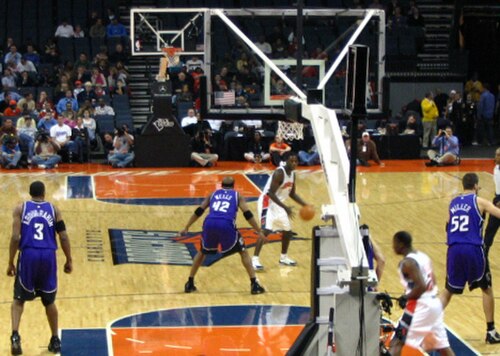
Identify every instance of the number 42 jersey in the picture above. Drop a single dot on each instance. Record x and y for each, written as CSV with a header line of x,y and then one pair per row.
x,y
465,222
38,226
224,204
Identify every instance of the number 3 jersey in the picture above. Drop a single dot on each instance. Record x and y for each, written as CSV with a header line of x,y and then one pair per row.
x,y
465,222
38,226
224,204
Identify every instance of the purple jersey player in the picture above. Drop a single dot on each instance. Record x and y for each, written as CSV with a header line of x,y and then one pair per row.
x,y
466,262
219,229
34,228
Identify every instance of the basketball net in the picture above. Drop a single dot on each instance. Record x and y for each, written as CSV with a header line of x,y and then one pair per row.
x,y
290,130
170,58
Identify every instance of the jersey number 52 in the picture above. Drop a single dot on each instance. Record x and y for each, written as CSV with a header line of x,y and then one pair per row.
x,y
460,223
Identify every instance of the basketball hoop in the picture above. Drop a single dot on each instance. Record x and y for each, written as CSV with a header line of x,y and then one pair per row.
x,y
290,130
171,58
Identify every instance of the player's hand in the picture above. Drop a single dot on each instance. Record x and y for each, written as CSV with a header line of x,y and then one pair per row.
x,y
183,232
68,267
402,301
11,270
262,236
289,212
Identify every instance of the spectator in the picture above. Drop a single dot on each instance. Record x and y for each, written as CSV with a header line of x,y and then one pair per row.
x,y
415,18
7,128
193,63
97,77
115,29
62,104
103,109
121,88
485,113
64,30
26,128
13,56
310,157
87,94
9,79
12,110
257,151
367,150
78,32
448,146
412,126
42,99
430,115
25,80
83,60
80,136
78,89
11,153
46,123
190,119
278,150
26,65
121,155
89,122
203,149
119,55
97,30
28,101
398,21
32,55
45,152
61,135
474,87
264,46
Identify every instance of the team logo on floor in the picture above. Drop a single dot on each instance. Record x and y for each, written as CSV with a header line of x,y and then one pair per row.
x,y
167,247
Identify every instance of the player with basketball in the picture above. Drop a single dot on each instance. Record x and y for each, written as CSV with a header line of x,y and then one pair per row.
x,y
274,214
219,228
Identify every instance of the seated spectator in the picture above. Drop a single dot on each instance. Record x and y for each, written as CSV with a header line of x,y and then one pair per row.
x,y
78,32
310,157
97,77
190,119
193,63
87,105
398,20
121,155
45,152
89,123
9,79
12,110
8,128
199,126
83,61
412,126
64,30
203,148
26,65
116,29
62,104
264,46
28,101
121,88
47,121
185,95
257,151
367,150
103,109
80,136
46,78
87,94
27,131
77,89
32,55
61,135
415,18
448,149
25,80
11,153
100,91
107,143
13,56
98,30
42,99
120,55
279,150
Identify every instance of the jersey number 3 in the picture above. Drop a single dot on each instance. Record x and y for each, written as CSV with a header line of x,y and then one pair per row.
x,y
460,223
220,206
39,231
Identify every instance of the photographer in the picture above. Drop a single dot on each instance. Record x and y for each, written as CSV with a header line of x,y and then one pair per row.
x,y
121,155
45,152
448,145
202,146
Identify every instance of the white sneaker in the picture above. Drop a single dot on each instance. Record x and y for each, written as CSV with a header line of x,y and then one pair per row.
x,y
256,264
287,261
42,166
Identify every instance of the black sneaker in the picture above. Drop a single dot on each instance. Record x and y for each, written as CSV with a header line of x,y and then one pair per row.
x,y
256,288
431,163
492,337
15,344
55,344
189,287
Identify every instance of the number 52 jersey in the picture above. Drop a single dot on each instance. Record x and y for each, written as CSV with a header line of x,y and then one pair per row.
x,y
465,222
38,226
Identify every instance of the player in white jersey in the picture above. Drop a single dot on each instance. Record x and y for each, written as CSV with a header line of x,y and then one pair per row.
x,y
493,222
273,213
421,325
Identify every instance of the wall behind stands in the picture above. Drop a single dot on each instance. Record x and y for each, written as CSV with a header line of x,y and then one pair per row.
x,y
401,93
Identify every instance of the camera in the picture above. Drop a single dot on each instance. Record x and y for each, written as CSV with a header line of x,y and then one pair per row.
x,y
42,137
442,134
120,132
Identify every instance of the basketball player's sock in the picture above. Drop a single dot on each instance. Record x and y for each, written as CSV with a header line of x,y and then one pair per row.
x,y
191,280
490,326
253,280
283,256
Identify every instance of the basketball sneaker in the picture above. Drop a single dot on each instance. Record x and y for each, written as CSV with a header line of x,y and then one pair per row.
x,y
256,264
256,288
54,344
189,287
15,344
492,337
287,261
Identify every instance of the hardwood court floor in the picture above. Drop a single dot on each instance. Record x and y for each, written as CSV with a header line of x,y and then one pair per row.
x,y
401,195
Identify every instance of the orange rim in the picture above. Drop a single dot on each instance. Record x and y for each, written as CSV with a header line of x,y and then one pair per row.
x,y
171,51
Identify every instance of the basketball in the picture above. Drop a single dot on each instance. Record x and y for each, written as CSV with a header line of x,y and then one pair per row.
x,y
306,212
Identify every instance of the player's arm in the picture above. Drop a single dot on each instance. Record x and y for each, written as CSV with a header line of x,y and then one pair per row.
x,y
277,180
411,271
14,239
486,205
242,204
196,214
64,240
296,197
379,259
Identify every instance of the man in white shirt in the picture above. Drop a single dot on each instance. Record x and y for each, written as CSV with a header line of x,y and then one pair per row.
x,y
61,135
189,119
103,109
26,66
64,30
194,63
264,46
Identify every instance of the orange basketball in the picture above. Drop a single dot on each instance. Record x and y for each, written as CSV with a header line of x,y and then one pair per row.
x,y
306,212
